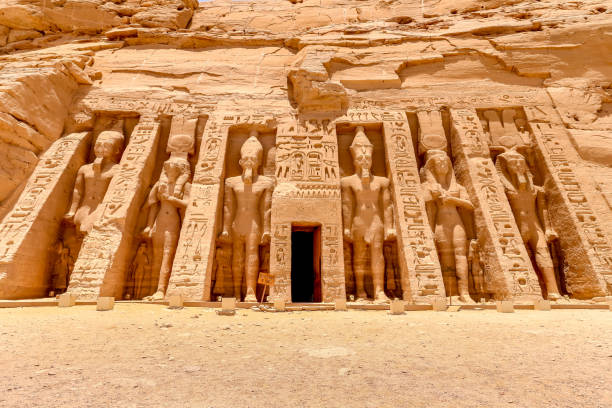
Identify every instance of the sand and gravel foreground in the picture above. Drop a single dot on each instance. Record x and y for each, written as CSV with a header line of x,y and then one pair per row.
x,y
150,356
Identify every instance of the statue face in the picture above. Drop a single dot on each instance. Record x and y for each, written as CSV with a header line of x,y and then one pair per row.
x,y
108,145
172,170
249,163
441,164
516,165
362,156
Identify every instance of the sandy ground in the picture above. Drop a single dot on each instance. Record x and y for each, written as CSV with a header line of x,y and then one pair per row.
x,y
151,356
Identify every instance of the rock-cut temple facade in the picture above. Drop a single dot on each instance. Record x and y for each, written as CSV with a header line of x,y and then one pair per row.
x,y
306,151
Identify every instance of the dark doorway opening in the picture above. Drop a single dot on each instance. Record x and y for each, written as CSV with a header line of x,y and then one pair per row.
x,y
305,264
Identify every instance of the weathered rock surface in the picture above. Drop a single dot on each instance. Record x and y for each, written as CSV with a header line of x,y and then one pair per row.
x,y
534,76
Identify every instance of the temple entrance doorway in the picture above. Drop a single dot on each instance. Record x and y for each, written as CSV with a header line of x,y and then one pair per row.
x,y
306,263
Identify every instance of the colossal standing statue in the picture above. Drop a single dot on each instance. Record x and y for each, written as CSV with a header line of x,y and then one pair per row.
x,y
528,202
449,210
167,202
93,179
247,216
367,213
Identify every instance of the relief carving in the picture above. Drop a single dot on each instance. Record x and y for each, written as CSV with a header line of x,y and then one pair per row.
x,y
528,203
166,204
93,180
367,213
246,216
450,216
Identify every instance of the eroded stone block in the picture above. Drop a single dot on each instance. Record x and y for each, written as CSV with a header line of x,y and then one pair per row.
x,y
175,301
105,303
541,304
505,306
66,300
439,304
340,305
396,307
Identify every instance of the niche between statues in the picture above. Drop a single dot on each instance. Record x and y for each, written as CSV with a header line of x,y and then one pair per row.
x,y
511,145
110,136
370,248
163,211
242,251
449,209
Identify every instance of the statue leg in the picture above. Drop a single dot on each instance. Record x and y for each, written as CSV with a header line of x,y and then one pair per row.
x,y
360,267
377,261
461,263
238,266
546,266
446,256
168,251
158,254
252,267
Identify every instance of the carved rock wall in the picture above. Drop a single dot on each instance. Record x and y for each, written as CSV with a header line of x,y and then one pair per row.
x,y
293,69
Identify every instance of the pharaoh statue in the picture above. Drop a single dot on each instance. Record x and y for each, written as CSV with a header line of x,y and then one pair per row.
x,y
247,216
367,213
93,179
528,203
449,210
167,202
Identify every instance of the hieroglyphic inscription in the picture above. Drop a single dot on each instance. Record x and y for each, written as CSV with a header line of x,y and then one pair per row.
x,y
33,224
510,271
421,275
307,155
280,260
589,252
103,258
193,264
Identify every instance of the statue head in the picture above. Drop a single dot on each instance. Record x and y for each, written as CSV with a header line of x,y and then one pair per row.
x,y
438,162
438,168
251,154
109,145
175,167
513,166
361,150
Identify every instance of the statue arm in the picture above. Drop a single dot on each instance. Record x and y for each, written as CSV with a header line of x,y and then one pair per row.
x,y
388,213
266,212
228,207
153,207
76,194
543,213
347,209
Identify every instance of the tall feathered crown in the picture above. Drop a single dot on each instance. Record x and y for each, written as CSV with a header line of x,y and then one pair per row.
x,y
252,146
360,139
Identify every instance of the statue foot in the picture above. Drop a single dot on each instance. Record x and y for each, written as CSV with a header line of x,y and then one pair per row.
x,y
381,298
250,297
466,299
554,297
159,295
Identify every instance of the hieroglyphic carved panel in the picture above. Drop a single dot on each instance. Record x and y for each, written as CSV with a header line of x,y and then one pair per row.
x,y
104,256
280,259
510,272
585,245
308,191
33,223
193,264
420,268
